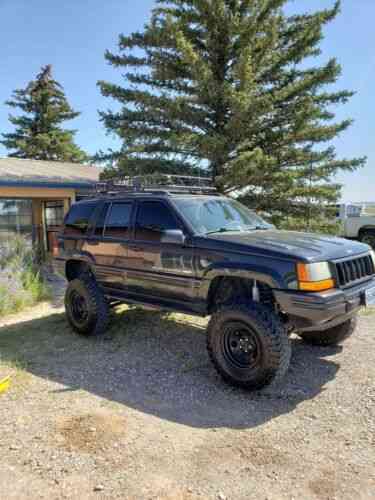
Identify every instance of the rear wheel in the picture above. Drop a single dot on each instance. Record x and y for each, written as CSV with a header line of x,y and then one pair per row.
x,y
333,336
368,237
248,345
86,307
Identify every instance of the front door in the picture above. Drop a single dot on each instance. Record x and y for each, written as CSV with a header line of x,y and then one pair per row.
x,y
157,269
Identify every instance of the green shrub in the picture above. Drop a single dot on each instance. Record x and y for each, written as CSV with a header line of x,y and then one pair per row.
x,y
11,302
17,252
21,282
35,285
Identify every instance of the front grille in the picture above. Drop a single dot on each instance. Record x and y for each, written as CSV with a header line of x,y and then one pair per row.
x,y
352,270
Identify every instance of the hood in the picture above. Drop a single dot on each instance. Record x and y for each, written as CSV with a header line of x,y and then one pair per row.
x,y
305,246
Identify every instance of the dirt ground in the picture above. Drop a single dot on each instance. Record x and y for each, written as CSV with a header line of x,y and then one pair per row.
x,y
142,414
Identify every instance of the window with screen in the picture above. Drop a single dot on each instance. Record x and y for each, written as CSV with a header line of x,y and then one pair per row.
x,y
153,219
77,220
118,221
15,218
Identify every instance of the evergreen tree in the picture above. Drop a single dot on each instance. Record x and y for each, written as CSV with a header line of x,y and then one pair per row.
x,y
230,86
38,133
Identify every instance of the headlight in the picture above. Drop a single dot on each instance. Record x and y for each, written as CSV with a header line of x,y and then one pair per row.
x,y
315,277
373,256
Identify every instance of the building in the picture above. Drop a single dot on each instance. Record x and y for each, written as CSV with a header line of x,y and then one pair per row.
x,y
35,195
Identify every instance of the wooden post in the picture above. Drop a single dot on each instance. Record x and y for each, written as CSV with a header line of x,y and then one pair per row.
x,y
67,203
38,233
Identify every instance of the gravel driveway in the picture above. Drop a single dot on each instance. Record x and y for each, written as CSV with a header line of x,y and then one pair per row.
x,y
142,415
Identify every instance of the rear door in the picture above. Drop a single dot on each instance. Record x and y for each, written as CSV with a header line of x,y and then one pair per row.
x,y
159,270
73,238
109,244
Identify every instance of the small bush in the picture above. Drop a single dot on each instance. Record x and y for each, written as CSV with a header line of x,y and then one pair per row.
x,y
21,283
12,302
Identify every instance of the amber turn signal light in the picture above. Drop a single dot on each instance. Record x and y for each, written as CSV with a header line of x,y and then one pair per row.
x,y
317,286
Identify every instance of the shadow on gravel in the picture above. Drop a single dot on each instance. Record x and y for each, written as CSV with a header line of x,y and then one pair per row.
x,y
157,364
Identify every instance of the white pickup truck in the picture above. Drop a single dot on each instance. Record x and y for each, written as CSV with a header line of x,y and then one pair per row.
x,y
357,221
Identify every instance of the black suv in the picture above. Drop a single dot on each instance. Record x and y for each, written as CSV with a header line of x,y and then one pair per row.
x,y
197,252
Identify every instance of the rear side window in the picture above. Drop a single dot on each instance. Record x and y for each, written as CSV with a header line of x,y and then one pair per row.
x,y
118,220
77,220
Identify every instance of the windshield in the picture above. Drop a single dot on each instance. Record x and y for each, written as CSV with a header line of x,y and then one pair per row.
x,y
219,215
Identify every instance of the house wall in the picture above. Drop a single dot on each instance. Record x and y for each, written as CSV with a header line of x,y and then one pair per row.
x,y
38,196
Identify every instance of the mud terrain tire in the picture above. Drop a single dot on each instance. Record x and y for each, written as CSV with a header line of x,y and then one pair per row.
x,y
86,307
248,345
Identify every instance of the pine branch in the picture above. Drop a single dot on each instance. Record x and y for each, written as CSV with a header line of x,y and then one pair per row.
x,y
225,85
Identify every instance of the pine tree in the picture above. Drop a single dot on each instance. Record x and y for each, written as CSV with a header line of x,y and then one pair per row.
x,y
230,86
38,132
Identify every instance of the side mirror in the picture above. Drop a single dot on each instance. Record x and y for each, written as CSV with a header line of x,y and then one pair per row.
x,y
175,236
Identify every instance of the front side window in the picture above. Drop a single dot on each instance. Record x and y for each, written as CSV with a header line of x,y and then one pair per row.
x,y
215,215
77,220
118,221
153,219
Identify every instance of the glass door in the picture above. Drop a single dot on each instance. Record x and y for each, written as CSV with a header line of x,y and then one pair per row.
x,y
53,219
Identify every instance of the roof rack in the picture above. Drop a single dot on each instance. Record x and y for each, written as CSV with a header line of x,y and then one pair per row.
x,y
156,184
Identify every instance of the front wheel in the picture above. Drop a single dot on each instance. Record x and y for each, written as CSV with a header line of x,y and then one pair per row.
x,y
86,307
333,336
248,345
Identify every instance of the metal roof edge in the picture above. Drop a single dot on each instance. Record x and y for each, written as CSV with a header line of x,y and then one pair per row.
x,y
54,185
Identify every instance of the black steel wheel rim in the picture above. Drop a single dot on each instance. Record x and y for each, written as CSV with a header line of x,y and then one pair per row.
x,y
241,345
78,307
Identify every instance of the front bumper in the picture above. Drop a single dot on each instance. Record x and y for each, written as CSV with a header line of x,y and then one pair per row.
x,y
321,311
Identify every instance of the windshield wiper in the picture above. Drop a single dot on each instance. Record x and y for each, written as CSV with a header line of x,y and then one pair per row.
x,y
223,230
257,228
241,229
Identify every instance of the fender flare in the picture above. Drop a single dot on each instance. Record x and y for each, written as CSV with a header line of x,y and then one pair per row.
x,y
81,258
259,273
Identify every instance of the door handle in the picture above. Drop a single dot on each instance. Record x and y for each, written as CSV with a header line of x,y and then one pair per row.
x,y
136,249
92,242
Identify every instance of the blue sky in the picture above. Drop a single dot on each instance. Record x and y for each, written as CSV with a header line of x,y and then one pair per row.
x,y
72,35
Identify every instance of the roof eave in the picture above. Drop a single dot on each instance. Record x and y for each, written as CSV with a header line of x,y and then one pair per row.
x,y
51,185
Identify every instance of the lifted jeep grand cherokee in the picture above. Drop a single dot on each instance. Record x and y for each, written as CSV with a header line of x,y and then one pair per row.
x,y
190,250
